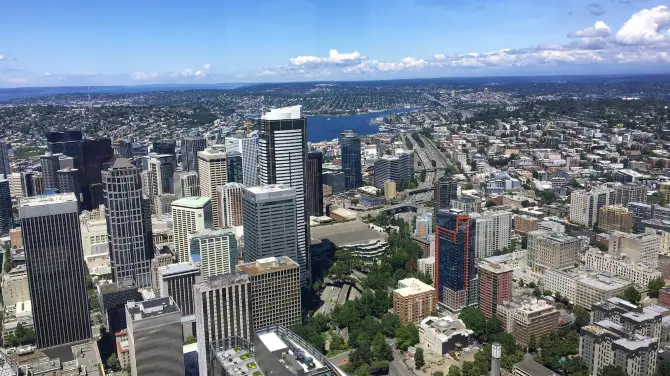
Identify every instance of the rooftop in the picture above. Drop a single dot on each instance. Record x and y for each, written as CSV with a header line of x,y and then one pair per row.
x,y
270,188
533,368
179,268
284,113
192,202
411,286
151,308
604,282
494,267
56,198
268,264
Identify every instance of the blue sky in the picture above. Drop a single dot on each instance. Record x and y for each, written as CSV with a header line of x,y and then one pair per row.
x,y
122,42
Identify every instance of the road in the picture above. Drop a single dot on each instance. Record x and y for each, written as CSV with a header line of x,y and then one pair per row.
x,y
425,161
398,368
434,153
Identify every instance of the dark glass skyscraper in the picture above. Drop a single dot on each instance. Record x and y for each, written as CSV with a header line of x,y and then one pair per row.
x,y
68,143
97,152
456,280
235,172
50,165
314,190
55,264
6,218
350,145
4,159
446,189
164,147
190,146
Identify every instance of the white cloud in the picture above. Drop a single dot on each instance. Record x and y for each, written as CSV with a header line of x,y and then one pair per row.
x,y
599,30
207,66
334,58
18,81
47,74
2,58
143,76
645,27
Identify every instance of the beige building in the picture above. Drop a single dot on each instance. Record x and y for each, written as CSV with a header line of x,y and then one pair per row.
x,y
551,250
123,348
638,248
15,286
275,291
230,203
535,318
413,300
94,239
213,172
594,288
620,266
664,190
16,238
523,224
427,266
615,218
390,190
189,215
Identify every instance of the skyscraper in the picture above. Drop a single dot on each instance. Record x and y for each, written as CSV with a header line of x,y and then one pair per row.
x,y
128,223
314,183
446,189
55,264
97,153
186,184
398,168
493,232
456,280
215,250
68,143
50,165
190,146
68,181
191,214
222,310
270,223
250,161
164,147
213,172
4,159
230,202
282,156
6,217
235,172
161,172
495,286
177,281
350,146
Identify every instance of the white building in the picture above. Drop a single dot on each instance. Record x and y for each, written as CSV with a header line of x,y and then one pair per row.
x,y
493,232
584,205
94,239
213,172
639,248
621,266
216,250
15,286
427,266
443,334
191,214
551,250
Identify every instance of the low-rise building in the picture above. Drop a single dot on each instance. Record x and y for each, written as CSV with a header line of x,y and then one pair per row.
x,y
620,266
592,288
122,348
534,319
413,300
444,334
15,286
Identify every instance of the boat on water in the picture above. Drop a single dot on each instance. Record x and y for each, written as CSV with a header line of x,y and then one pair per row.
x,y
328,119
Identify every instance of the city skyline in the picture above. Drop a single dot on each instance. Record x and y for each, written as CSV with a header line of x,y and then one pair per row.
x,y
64,45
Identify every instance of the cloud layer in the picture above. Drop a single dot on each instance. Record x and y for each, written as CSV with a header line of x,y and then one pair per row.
x,y
643,39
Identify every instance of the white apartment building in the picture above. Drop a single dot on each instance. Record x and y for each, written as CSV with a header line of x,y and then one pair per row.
x,y
551,250
563,282
216,250
189,215
427,266
595,288
621,266
584,205
639,248
213,172
493,232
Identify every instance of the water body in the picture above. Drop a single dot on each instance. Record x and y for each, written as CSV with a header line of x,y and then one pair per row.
x,y
319,128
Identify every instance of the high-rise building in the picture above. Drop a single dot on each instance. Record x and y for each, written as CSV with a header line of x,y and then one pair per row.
x,y
235,172
177,281
390,190
222,310
16,184
335,180
282,156
37,183
455,259
49,163
270,223
5,169
446,189
128,215
155,338
493,232
250,161
68,143
6,216
630,192
531,319
275,291
350,148
160,170
398,168
191,214
413,300
495,286
424,225
190,146
584,205
55,264
314,190
213,172
68,181
551,250
186,184
97,153
230,202
215,250
615,218
639,248
165,147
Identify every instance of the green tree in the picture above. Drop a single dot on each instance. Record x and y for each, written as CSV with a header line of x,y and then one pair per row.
x,y
381,349
453,371
390,323
474,319
582,317
655,285
663,369
532,343
189,340
631,294
113,362
612,370
407,336
521,283
419,362
7,262
362,370
337,342
490,203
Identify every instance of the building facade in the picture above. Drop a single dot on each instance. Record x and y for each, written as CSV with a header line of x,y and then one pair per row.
x,y
398,168
190,146
186,184
493,232
215,250
189,215
314,191
551,250
615,218
213,172
350,150
495,286
584,206
230,196
6,214
638,248
413,300
177,281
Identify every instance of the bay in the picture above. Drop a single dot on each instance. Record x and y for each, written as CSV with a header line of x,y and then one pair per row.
x,y
319,128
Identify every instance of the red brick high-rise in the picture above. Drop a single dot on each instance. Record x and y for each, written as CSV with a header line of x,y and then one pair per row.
x,y
495,286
